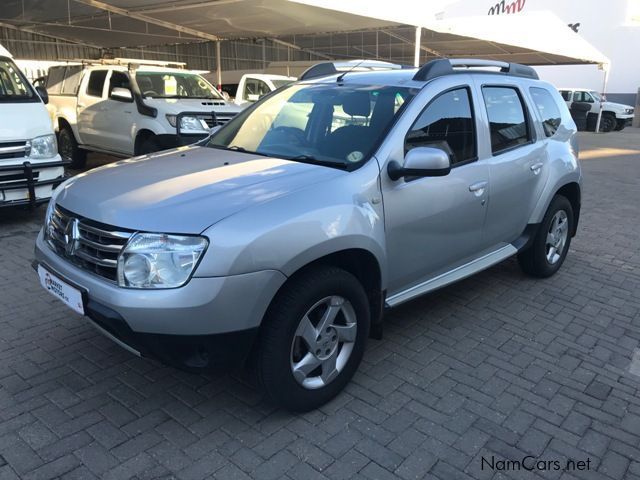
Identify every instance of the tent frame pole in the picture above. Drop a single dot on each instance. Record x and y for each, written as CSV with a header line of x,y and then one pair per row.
x,y
416,52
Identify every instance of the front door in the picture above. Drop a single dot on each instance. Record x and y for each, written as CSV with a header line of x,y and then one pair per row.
x,y
435,223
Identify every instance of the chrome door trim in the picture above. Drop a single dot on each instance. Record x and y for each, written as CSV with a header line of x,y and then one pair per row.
x,y
458,273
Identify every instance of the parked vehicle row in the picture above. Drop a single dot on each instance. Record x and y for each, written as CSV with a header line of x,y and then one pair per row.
x,y
125,109
279,241
30,166
615,116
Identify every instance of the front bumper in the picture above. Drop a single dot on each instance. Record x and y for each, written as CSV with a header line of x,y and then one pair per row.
x,y
30,184
208,323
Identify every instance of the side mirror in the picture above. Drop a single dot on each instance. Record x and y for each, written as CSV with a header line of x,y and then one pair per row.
x,y
121,94
421,162
253,97
44,95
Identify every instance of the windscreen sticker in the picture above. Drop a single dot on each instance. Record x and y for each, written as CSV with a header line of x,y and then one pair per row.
x,y
355,156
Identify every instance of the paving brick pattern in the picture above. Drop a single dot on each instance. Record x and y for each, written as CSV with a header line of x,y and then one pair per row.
x,y
498,367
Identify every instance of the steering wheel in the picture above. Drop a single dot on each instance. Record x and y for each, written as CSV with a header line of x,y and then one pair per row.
x,y
150,93
284,135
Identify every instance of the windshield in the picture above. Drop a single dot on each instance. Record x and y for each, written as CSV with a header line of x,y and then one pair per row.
x,y
596,96
333,124
14,87
175,85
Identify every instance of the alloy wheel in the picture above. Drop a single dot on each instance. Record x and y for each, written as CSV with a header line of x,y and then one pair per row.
x,y
323,342
557,236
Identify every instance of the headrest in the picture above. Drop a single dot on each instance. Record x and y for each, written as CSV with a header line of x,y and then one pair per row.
x,y
357,104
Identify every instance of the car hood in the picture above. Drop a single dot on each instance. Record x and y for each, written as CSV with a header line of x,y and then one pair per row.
x,y
184,190
28,120
178,105
616,106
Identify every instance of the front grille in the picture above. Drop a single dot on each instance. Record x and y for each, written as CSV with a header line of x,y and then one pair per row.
x,y
221,119
14,150
15,177
96,246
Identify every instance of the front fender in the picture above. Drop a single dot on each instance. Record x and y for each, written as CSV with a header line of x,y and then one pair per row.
x,y
292,231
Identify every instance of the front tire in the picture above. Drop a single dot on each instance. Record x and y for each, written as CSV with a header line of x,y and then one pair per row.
x,y
313,338
546,254
620,125
607,122
148,145
69,150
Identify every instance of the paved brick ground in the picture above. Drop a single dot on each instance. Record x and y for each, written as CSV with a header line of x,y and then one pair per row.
x,y
499,365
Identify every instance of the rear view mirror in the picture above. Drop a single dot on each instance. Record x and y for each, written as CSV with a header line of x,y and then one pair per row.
x,y
421,162
44,95
121,94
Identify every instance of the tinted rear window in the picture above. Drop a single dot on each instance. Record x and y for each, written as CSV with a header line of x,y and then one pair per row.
x,y
72,77
507,118
549,111
55,79
96,83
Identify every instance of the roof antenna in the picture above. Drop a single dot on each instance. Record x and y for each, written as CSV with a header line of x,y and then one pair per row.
x,y
341,76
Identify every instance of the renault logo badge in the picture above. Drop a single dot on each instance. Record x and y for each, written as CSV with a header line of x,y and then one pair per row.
x,y
71,237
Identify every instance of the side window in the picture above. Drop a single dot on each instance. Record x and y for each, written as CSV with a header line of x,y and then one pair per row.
x,y
507,119
96,83
566,95
447,123
72,77
55,79
118,80
546,106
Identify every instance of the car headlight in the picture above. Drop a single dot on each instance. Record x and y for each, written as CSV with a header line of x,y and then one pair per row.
x,y
188,124
157,260
629,110
43,147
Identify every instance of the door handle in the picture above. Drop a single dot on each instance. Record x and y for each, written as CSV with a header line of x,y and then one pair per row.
x,y
478,188
536,167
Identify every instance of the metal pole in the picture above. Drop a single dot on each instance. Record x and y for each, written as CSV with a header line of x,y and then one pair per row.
x,y
605,67
218,67
416,52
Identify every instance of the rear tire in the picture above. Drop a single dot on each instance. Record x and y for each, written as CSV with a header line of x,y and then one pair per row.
x,y
313,338
69,150
546,254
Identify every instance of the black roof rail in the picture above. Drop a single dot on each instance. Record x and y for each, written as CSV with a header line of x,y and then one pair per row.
x,y
339,66
445,66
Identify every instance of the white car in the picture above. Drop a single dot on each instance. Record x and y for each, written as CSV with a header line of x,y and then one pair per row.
x,y
615,116
255,85
126,107
30,166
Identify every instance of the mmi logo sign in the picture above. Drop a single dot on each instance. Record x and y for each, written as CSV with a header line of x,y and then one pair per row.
x,y
504,6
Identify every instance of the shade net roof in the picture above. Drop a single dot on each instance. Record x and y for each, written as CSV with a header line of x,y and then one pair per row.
x,y
535,39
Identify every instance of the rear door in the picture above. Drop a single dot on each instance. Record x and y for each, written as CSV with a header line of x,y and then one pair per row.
x,y
517,160
119,116
92,121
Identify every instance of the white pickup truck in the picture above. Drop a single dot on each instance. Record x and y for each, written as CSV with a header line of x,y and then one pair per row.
x,y
254,85
30,167
126,107
615,116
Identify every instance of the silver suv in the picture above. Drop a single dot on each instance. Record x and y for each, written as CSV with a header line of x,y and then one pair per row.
x,y
280,240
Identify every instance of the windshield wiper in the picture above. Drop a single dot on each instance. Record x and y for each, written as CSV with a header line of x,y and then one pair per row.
x,y
315,161
236,148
